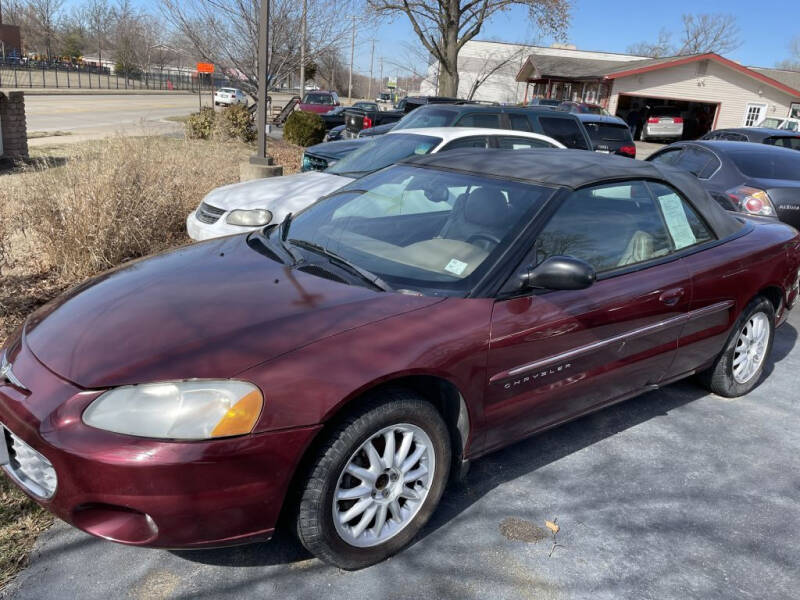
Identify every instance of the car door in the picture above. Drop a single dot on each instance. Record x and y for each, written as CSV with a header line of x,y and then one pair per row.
x,y
556,354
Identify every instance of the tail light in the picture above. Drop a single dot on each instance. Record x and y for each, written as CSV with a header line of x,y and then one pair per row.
x,y
367,122
653,120
677,119
628,151
752,200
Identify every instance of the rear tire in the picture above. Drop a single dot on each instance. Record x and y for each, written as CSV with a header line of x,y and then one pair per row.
x,y
385,467
740,366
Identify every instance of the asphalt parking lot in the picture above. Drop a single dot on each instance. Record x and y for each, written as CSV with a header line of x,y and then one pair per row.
x,y
675,494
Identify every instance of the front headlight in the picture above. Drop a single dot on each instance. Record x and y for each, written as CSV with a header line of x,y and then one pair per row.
x,y
256,217
182,410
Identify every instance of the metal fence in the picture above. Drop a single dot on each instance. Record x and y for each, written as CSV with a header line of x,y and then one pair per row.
x,y
31,74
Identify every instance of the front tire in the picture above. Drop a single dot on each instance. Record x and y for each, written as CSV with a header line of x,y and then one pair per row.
x,y
740,366
376,481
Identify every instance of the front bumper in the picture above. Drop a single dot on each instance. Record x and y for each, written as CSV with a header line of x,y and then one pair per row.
x,y
199,231
141,491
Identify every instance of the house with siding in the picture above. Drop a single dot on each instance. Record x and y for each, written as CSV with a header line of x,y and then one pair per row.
x,y
710,90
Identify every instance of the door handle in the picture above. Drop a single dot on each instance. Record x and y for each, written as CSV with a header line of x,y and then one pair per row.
x,y
672,297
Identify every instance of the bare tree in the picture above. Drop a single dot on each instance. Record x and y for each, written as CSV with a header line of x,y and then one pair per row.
x,y
493,63
444,26
44,18
703,33
658,49
98,17
225,32
792,63
717,32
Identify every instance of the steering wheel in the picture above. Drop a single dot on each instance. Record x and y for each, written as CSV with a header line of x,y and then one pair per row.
x,y
487,237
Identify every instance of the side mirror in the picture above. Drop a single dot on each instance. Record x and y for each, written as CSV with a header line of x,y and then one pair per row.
x,y
559,273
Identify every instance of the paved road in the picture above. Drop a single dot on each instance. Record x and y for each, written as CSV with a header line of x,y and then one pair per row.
x,y
675,494
87,115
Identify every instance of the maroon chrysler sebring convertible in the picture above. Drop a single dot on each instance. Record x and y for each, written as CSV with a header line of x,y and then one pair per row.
x,y
339,367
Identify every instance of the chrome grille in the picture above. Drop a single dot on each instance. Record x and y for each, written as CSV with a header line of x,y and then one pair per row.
x,y
209,214
28,468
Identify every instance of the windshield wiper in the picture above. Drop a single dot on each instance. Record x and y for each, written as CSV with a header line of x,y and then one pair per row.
x,y
343,262
283,231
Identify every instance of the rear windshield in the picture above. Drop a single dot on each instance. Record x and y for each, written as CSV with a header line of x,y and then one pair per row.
x,y
665,111
608,132
769,165
564,130
228,90
318,99
434,117
382,152
592,109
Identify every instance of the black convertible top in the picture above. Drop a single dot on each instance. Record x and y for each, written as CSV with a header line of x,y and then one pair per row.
x,y
574,169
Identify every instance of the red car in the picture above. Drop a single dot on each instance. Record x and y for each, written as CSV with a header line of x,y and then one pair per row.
x,y
340,366
319,102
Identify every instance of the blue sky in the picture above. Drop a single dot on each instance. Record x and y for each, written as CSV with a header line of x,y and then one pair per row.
x,y
766,27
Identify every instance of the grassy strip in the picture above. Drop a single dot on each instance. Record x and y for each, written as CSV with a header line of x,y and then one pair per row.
x,y
79,210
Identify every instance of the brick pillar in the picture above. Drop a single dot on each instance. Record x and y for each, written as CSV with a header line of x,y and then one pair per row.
x,y
12,123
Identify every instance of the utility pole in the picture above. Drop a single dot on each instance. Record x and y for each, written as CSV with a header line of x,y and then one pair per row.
x,y
381,74
371,65
303,50
260,164
352,55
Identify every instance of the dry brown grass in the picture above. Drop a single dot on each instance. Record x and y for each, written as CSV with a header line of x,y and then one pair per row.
x,y
84,208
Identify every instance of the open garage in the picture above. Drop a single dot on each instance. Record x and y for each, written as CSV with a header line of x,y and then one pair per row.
x,y
698,117
705,91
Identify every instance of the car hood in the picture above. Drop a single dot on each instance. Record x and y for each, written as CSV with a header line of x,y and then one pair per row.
x,y
209,310
281,195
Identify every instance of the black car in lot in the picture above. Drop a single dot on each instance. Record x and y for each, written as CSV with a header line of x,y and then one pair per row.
x,y
358,120
609,135
326,154
757,179
562,126
757,135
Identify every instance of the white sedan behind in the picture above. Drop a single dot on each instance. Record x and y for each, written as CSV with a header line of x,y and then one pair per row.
x,y
244,207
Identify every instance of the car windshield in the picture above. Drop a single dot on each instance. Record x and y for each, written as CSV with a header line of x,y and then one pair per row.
x,y
318,99
771,122
780,164
591,109
429,117
228,90
420,228
382,152
366,105
665,111
607,132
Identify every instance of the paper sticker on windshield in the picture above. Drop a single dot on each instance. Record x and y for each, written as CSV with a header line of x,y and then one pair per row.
x,y
677,221
456,267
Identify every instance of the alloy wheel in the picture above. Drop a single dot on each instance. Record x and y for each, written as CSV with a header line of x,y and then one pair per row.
x,y
751,348
383,485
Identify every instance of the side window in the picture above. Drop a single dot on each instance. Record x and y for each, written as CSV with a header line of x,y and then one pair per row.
x,y
784,142
668,157
519,122
566,131
488,120
698,161
609,226
480,141
685,226
509,142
